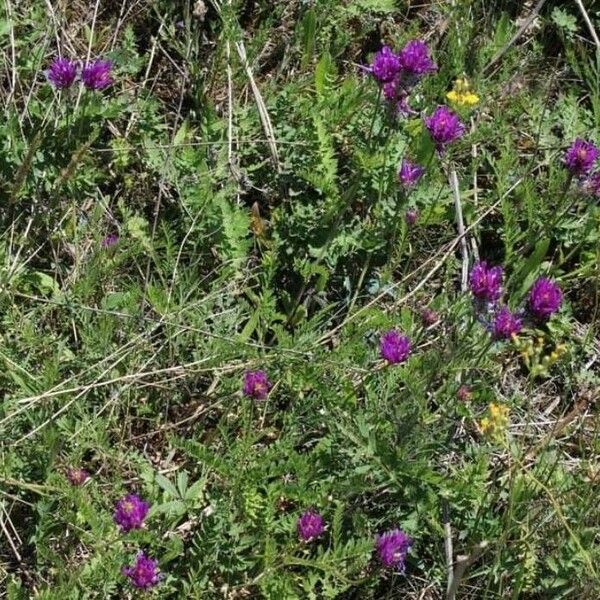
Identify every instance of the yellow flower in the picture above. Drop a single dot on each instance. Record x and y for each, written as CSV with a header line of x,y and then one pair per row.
x,y
495,424
461,93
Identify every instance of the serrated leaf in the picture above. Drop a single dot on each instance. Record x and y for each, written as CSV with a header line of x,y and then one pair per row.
x,y
166,485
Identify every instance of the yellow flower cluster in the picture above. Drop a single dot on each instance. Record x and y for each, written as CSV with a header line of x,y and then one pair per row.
x,y
533,356
494,425
461,94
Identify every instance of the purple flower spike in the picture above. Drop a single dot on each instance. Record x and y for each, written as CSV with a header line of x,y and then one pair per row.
x,y
310,526
385,65
464,393
444,127
77,477
96,75
256,385
410,173
62,73
394,347
429,317
109,240
415,60
506,324
545,298
392,547
411,216
592,185
581,157
486,282
130,512
390,90
144,574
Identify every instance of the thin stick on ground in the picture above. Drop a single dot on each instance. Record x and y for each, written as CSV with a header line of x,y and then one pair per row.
x,y
461,230
448,546
462,563
260,103
589,23
88,53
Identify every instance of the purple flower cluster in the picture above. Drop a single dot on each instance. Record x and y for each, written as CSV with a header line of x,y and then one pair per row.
x,y
386,65
110,240
144,573
429,317
130,512
392,547
444,127
411,216
410,173
592,184
77,476
310,526
394,347
414,59
399,73
505,324
581,159
464,393
545,298
256,385
96,75
486,282
62,73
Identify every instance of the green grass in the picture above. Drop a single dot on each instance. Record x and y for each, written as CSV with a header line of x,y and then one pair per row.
x,y
261,226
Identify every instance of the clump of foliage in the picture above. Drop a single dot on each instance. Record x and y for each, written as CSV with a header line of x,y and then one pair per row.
x,y
299,300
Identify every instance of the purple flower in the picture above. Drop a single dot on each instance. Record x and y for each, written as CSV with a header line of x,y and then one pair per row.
x,y
310,526
385,65
415,60
464,393
410,173
130,512
486,282
505,324
144,573
581,156
256,384
96,75
394,347
77,477
444,127
592,184
109,240
392,547
390,90
62,73
429,317
545,298
411,216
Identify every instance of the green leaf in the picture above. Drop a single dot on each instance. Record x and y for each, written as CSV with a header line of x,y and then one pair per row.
x,y
324,73
308,28
564,20
166,485
195,491
527,273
